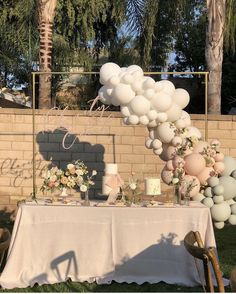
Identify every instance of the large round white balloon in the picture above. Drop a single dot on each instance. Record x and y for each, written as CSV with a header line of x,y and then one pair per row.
x,y
103,95
229,185
181,97
108,70
133,119
220,212
161,101
230,165
140,105
168,87
125,110
174,112
165,132
148,83
123,93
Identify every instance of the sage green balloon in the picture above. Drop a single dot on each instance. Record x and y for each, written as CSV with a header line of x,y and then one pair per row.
x,y
208,192
220,212
208,202
213,181
233,208
218,199
229,184
199,197
218,190
230,165
219,225
232,219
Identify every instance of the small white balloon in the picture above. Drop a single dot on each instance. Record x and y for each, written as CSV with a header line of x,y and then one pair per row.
x,y
186,117
148,143
161,117
127,79
177,141
113,81
108,70
152,124
137,87
125,110
208,192
149,94
233,208
180,123
144,120
152,134
134,68
148,83
218,199
140,105
152,114
219,225
126,121
218,190
232,219
156,144
158,151
133,119
165,132
208,202
213,181
158,87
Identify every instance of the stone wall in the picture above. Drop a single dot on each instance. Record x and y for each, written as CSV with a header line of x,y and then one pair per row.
x,y
94,138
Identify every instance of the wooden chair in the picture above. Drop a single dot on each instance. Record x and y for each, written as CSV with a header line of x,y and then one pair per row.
x,y
233,280
208,256
5,237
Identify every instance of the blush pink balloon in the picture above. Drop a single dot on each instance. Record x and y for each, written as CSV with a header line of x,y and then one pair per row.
x,y
200,147
166,175
205,174
194,164
219,167
219,157
191,180
169,165
178,161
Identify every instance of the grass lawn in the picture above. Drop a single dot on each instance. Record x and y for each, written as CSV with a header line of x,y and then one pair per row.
x,y
226,244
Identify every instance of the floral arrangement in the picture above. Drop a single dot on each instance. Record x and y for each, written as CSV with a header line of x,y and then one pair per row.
x,y
75,175
133,187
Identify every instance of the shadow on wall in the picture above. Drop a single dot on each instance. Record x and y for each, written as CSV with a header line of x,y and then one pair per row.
x,y
61,147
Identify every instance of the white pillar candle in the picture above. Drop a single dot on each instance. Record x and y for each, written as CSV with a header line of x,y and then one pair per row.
x,y
111,169
152,186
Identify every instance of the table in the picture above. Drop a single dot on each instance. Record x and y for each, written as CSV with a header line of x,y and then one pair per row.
x,y
124,244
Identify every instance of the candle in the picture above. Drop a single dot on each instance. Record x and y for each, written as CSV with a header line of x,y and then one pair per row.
x,y
111,169
152,186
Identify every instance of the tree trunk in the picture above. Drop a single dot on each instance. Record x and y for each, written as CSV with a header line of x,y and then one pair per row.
x,y
46,17
214,52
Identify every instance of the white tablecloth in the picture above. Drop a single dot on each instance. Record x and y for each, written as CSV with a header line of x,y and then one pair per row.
x,y
125,244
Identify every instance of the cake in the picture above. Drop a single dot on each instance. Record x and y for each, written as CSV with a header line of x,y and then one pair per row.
x,y
152,186
111,169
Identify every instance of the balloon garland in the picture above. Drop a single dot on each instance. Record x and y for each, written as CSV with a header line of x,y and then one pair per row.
x,y
196,166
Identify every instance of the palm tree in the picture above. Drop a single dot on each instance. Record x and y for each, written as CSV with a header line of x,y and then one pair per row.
x,y
46,17
221,27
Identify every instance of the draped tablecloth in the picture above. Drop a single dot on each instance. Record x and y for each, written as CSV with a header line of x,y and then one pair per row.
x,y
53,243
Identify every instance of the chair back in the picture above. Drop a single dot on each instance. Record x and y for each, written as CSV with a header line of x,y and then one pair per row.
x,y
195,246
5,238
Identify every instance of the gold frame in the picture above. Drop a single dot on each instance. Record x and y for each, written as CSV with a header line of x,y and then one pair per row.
x,y
204,73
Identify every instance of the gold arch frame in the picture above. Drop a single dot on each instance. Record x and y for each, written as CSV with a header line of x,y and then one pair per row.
x,y
203,73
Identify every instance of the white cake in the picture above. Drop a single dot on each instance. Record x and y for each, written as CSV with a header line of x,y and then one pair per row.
x,y
111,169
105,188
152,186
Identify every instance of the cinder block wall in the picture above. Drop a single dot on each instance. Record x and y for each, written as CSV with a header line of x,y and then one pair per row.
x,y
95,138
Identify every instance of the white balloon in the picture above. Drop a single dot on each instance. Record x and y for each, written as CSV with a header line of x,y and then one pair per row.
x,y
152,114
233,208
115,101
158,151
127,79
219,225
168,87
144,120
158,87
133,119
103,95
180,123
148,83
208,192
137,86
152,134
123,93
140,105
161,117
113,81
232,219
208,202
134,68
186,117
198,197
137,74
220,212
218,199
126,120
149,93
165,132
156,144
218,190
181,97
108,70
152,124
174,112
176,141
148,143
213,181
161,101
125,110
230,165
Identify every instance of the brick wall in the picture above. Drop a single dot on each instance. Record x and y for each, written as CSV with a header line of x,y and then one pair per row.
x,y
94,139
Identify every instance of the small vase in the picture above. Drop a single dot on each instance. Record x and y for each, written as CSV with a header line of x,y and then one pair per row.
x,y
187,200
64,192
177,195
86,198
